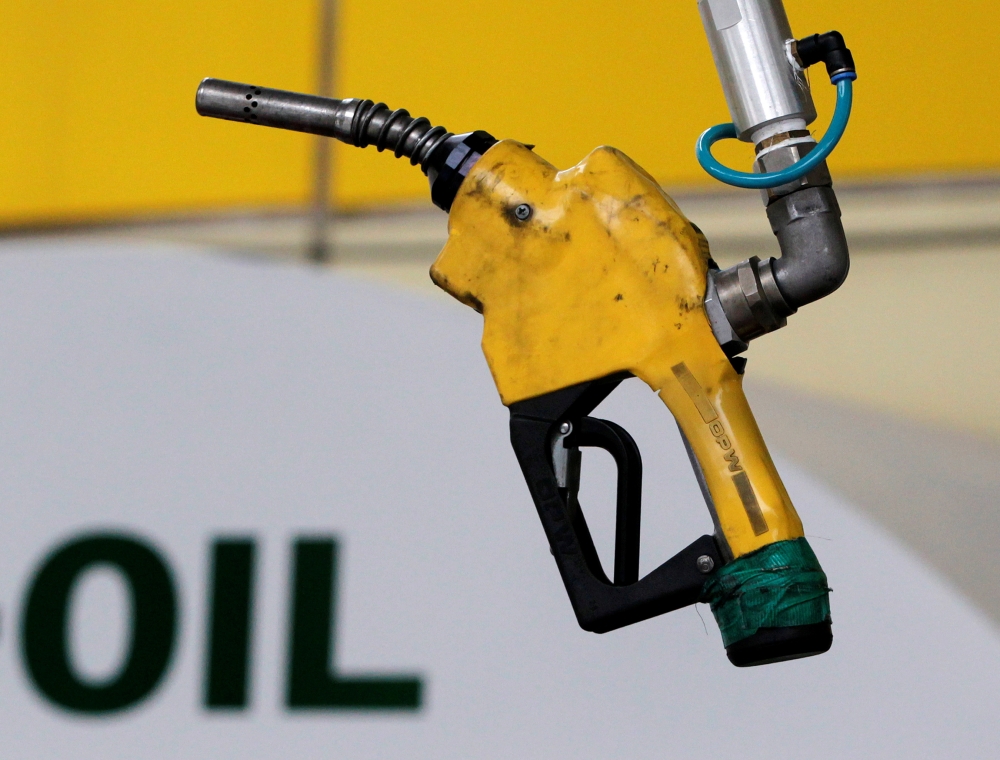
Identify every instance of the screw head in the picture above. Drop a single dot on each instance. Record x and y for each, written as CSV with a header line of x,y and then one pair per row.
x,y
523,212
705,564
565,428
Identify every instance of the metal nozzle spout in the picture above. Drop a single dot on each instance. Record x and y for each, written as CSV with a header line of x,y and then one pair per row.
x,y
276,108
445,158
356,122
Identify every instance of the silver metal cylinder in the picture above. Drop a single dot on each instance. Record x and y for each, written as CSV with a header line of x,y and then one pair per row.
x,y
762,83
276,108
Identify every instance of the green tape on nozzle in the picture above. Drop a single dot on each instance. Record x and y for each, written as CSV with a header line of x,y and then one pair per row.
x,y
778,586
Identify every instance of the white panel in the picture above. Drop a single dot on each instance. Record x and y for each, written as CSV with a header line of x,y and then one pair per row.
x,y
179,397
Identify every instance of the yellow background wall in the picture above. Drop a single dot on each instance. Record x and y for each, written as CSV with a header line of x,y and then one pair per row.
x,y
99,119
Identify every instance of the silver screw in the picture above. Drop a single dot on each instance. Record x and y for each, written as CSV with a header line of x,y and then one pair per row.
x,y
522,212
565,428
705,564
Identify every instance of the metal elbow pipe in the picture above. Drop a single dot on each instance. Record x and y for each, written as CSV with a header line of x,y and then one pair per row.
x,y
756,297
814,257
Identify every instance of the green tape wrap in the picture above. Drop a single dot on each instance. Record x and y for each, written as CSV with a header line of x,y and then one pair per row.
x,y
777,586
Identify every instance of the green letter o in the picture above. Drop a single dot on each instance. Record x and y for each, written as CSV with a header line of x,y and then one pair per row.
x,y
44,630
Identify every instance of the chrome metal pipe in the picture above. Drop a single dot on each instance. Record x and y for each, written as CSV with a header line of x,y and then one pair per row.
x,y
762,83
276,108
356,122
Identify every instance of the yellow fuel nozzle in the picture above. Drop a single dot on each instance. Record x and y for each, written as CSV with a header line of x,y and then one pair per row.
x,y
585,277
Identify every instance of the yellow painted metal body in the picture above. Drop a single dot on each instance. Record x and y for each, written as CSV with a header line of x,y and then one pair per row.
x,y
608,275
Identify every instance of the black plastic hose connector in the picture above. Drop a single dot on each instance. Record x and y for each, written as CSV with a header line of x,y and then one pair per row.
x,y
450,163
829,48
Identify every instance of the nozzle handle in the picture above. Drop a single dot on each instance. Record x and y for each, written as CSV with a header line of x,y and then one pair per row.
x,y
599,604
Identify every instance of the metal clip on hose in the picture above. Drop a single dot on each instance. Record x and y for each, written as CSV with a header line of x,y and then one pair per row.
x,y
761,67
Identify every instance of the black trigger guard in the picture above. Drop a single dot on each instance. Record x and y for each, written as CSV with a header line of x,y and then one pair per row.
x,y
600,606
613,438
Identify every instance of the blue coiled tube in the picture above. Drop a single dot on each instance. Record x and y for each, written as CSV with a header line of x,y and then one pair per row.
x,y
841,115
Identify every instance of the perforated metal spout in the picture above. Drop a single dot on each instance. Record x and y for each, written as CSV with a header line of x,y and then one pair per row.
x,y
356,122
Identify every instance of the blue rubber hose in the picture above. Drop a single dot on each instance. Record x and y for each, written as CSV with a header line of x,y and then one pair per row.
x,y
841,115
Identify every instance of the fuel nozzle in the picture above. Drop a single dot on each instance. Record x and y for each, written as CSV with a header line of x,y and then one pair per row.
x,y
444,157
